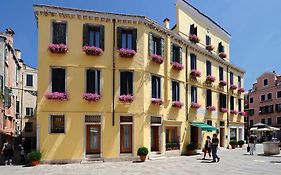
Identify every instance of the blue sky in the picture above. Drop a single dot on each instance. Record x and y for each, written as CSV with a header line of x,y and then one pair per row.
x,y
255,26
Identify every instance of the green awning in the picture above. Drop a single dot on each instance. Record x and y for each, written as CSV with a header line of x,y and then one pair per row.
x,y
204,126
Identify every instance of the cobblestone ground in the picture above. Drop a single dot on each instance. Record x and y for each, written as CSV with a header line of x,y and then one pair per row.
x,y
232,162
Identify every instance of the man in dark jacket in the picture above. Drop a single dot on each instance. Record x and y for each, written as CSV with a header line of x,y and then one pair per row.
x,y
215,143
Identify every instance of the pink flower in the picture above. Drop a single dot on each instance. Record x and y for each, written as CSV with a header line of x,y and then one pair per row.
x,y
210,78
92,50
177,66
233,87
177,104
129,53
242,113
91,97
195,105
233,112
195,73
127,98
56,96
241,90
157,101
222,55
157,58
194,38
57,48
211,108
210,48
222,83
223,110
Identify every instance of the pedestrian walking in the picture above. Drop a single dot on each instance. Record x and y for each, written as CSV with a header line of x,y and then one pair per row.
x,y
22,154
8,151
215,143
207,147
252,144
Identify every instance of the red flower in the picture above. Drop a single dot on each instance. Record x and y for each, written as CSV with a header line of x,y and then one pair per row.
x,y
194,38
92,50
157,58
233,87
129,53
233,112
91,97
195,105
57,48
222,55
127,98
211,78
211,108
222,83
195,73
210,48
177,66
177,104
157,101
223,110
241,90
56,96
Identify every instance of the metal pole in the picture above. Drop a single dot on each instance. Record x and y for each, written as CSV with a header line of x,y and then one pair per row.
x,y
21,105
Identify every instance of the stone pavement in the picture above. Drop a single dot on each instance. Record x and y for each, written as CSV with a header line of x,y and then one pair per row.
x,y
232,162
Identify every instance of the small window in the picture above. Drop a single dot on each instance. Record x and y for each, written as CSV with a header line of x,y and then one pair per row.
x,y
156,87
208,68
279,94
209,122
193,62
279,120
251,112
28,127
126,83
221,73
59,33
251,100
239,82
175,91
193,30
58,80
193,94
17,107
269,121
208,40
239,105
156,45
176,55
278,107
222,100
29,112
127,38
231,78
209,98
262,97
93,35
29,80
57,124
263,120
231,103
251,122
269,96
265,82
220,47
93,81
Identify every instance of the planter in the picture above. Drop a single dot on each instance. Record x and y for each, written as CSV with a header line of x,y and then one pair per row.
x,y
241,90
211,108
142,158
271,148
91,97
210,79
233,146
58,48
177,104
195,105
157,58
240,146
222,83
194,38
177,66
157,101
233,112
56,96
128,53
190,152
92,50
126,98
222,55
242,113
233,87
195,73
35,162
210,48
223,110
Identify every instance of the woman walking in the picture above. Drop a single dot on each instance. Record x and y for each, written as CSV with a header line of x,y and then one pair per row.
x,y
252,144
207,147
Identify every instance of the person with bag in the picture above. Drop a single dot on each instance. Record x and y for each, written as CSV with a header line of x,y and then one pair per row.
x,y
207,147
251,144
8,151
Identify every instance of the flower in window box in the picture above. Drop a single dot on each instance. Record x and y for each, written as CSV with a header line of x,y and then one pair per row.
x,y
195,105
129,53
56,96
242,113
127,98
157,101
211,108
210,48
233,112
195,73
177,66
194,38
157,58
210,78
177,104
233,87
222,83
222,55
241,90
223,110
91,97
57,48
92,50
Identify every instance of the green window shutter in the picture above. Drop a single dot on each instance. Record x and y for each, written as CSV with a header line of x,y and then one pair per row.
x,y
102,37
135,34
150,43
119,37
180,54
162,47
85,34
172,53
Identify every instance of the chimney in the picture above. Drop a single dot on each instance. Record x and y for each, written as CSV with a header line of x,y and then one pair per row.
x,y
274,71
166,23
18,54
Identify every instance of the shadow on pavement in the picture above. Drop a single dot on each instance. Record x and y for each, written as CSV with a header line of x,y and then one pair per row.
x,y
207,162
269,155
275,161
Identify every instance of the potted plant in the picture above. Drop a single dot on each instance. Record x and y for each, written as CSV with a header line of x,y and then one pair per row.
x,y
233,87
177,66
223,110
210,79
128,53
195,105
240,143
222,83
34,157
177,104
210,48
233,143
157,58
57,48
92,50
211,108
157,101
142,152
222,55
194,38
56,96
91,97
126,98
241,90
195,73
191,149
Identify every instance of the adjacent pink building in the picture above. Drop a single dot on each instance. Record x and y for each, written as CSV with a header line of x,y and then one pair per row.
x,y
263,101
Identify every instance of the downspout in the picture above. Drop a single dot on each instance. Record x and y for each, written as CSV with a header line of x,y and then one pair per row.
x,y
186,80
227,100
113,74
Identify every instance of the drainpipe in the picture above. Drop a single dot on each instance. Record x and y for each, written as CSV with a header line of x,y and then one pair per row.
x,y
227,100
113,74
186,80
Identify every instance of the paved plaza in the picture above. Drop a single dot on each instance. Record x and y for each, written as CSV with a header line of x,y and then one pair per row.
x,y
232,162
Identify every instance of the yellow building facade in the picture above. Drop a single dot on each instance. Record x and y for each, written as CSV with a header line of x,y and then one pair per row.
x,y
131,85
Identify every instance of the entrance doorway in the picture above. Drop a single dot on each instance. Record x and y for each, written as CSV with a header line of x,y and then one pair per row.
x,y
222,133
194,136
154,138
93,139
126,138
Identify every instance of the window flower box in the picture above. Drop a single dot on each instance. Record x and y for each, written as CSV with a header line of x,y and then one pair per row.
x,y
157,58
56,96
241,90
222,83
195,105
177,66
222,55
91,97
157,101
194,38
223,110
177,104
210,48
211,108
233,87
242,113
195,73
210,78
233,112
92,50
127,53
127,98
57,48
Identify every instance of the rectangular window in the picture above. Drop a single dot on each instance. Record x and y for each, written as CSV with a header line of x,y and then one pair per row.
x,y
17,107
231,103
221,47
251,100
175,91
269,96
193,30
279,94
156,86
29,80
209,122
279,120
156,45
222,100
93,35
208,40
29,112
263,120
193,94
193,62
251,122
59,33
239,82
176,55
231,78
265,82
266,109
93,81
269,121
126,83
208,68
28,127
57,124
251,112
208,97
239,105
278,107
58,80
262,97
127,38
221,73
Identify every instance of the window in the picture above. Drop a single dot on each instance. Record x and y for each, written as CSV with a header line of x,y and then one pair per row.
x,y
93,81
269,96
251,122
193,30
58,80
231,78
231,103
209,122
263,120
279,94
156,45
278,120
29,112
209,98
193,62
57,124
17,107
251,100
262,97
221,47
28,127
176,55
156,87
208,68
265,82
239,105
93,35
251,112
29,80
171,135
266,109
239,82
278,107
193,94
222,100
175,91
127,38
221,73
208,40
59,33
126,83
269,121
